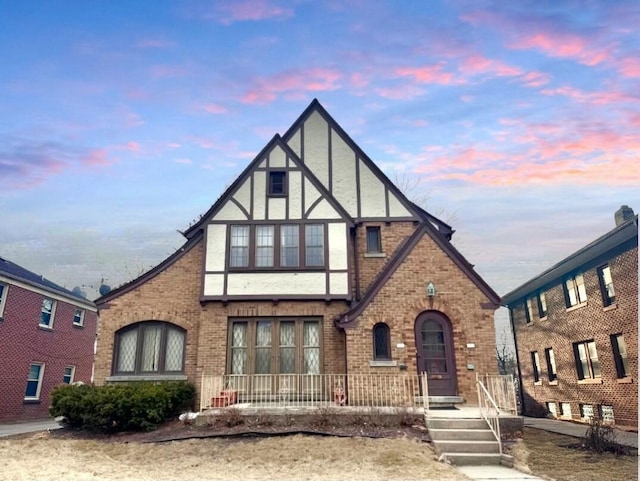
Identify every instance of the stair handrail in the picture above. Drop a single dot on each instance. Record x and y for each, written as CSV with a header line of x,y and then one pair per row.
x,y
486,403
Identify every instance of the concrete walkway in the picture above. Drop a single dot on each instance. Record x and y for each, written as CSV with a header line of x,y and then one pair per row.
x,y
490,473
28,427
576,430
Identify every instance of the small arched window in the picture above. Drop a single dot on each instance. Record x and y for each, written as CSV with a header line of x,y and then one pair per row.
x,y
149,347
381,342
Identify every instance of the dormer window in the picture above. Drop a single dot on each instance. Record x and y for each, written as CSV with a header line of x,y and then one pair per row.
x,y
277,183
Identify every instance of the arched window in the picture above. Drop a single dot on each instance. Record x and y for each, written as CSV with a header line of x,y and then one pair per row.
x,y
149,347
381,342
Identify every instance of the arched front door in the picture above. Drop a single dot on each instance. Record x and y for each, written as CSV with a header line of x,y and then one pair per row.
x,y
434,343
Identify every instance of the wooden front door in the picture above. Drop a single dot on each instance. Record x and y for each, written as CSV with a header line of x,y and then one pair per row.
x,y
435,354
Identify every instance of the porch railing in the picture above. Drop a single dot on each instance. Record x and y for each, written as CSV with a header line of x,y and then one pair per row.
x,y
489,410
502,390
306,390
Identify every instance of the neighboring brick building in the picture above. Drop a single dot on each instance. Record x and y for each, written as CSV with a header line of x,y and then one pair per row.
x,y
311,262
47,337
576,330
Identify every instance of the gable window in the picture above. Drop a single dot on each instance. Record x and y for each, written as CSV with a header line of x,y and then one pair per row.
x,y
239,256
3,297
277,182
542,305
620,355
535,362
68,374
606,285
149,348
381,342
528,310
551,364
314,245
587,363
574,291
264,246
47,312
78,317
34,381
290,245
273,346
374,241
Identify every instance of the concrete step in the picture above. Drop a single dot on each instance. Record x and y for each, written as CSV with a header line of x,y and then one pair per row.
x,y
485,447
462,434
466,459
456,423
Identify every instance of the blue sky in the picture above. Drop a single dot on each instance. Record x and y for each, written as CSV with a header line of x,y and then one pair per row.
x,y
121,122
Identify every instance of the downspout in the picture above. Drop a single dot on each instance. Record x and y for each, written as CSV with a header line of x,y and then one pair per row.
x,y
356,261
515,343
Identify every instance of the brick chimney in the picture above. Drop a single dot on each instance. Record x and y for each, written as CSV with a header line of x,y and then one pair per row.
x,y
623,214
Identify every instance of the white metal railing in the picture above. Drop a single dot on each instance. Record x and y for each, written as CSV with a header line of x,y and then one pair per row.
x,y
489,411
502,390
301,390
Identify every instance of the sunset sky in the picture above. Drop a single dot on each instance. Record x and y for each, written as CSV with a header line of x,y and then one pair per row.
x,y
122,122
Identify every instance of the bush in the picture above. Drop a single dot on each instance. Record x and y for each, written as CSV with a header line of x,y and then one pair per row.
x,y
601,438
125,407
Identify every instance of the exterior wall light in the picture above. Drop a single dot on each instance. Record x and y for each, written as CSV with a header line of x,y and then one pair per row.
x,y
431,290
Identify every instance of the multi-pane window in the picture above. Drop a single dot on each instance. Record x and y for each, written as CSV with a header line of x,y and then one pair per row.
x,y
3,296
587,363
67,376
34,381
606,413
381,342
574,291
528,308
149,347
274,346
47,312
239,246
535,362
551,364
542,305
290,245
314,245
264,246
606,285
78,317
374,241
620,355
277,183
565,409
586,411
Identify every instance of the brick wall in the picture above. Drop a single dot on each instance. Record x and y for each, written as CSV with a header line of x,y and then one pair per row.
x,y
23,342
565,326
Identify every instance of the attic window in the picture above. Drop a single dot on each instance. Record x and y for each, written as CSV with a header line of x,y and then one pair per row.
x,y
277,182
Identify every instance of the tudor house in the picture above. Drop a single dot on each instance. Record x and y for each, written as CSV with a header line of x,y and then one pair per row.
x,y
576,330
311,262
47,336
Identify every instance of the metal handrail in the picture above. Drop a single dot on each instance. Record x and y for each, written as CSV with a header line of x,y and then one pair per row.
x,y
486,402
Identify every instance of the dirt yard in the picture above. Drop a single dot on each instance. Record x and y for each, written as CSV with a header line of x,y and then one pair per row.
x,y
48,457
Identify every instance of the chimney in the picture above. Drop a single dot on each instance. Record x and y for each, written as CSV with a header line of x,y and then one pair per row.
x,y
623,214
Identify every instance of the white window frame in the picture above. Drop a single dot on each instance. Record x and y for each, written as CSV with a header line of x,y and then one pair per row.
x,y
39,381
80,323
3,297
71,376
54,303
575,291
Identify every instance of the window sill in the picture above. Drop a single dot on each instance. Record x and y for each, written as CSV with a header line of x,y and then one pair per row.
x,y
375,254
383,363
625,380
537,383
577,306
147,377
610,307
597,380
45,328
277,195
31,400
553,383
78,326
543,318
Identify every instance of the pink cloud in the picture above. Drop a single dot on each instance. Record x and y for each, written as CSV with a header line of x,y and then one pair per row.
x,y
630,67
154,42
430,74
290,82
97,158
214,109
251,10
400,92
563,45
478,64
535,79
596,98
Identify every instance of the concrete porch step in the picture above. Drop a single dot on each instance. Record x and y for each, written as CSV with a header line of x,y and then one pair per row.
x,y
462,435
456,423
471,459
486,447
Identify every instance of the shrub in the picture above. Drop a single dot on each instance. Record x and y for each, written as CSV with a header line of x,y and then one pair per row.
x,y
124,407
601,437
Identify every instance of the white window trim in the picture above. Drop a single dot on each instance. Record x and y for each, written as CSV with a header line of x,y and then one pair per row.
x,y
53,313
73,374
3,299
40,378
82,311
